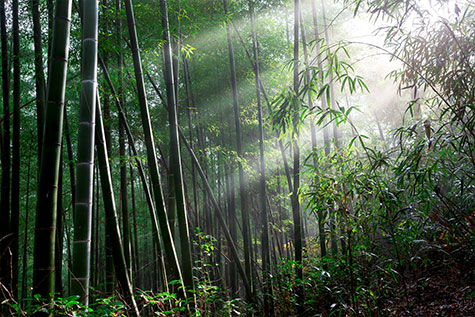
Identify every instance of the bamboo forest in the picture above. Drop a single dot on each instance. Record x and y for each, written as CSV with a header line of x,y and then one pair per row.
x,y
237,157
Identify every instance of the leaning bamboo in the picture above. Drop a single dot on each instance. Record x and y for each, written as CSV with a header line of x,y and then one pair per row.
x,y
172,260
112,221
148,196
214,202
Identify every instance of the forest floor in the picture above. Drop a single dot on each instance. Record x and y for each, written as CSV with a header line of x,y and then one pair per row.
x,y
437,291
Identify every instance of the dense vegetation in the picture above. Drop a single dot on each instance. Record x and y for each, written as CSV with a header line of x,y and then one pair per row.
x,y
257,157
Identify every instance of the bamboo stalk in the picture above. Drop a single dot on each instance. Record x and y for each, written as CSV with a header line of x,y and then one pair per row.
x,y
85,156
43,277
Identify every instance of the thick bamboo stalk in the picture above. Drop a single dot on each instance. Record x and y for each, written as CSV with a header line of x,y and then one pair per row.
x,y
85,156
5,233
43,277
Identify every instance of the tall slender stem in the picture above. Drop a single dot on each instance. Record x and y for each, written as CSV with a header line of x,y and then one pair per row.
x,y
242,181
85,156
43,277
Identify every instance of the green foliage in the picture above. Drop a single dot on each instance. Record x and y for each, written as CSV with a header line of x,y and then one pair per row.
x,y
70,306
401,205
159,304
289,104
404,208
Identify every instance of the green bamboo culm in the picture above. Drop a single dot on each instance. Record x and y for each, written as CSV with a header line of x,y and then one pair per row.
x,y
175,156
173,268
112,221
5,233
39,73
43,267
246,236
138,162
85,153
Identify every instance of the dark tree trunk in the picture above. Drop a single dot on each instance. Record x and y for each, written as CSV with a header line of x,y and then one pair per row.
x,y
298,237
5,232
25,232
16,158
39,74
